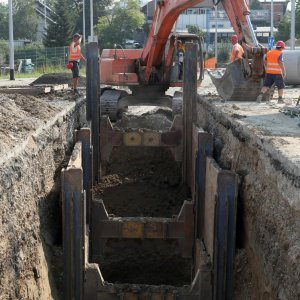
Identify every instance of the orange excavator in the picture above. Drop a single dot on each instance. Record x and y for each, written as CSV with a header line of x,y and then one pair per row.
x,y
149,72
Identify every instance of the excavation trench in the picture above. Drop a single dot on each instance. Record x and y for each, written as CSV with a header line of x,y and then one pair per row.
x,y
36,141
143,182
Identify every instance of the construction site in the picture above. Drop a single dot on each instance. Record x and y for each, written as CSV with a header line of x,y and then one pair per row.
x,y
160,179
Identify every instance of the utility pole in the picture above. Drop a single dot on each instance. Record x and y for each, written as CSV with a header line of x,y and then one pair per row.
x,y
11,42
83,21
92,25
45,14
216,34
293,8
272,18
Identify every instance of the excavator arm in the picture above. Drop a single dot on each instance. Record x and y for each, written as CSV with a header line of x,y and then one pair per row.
x,y
149,72
166,14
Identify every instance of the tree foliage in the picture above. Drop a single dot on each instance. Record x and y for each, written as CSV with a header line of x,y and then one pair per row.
x,y
3,22
284,29
3,51
196,30
99,10
60,33
297,20
24,18
119,23
255,4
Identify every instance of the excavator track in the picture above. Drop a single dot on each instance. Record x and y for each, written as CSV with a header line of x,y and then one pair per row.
x,y
177,103
109,103
233,85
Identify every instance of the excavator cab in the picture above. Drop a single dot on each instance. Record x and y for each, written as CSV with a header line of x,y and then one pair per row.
x,y
176,72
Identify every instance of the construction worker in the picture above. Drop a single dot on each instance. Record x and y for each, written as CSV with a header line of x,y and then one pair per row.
x,y
75,56
275,72
237,50
180,55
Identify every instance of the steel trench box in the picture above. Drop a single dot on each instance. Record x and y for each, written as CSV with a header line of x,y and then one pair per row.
x,y
103,227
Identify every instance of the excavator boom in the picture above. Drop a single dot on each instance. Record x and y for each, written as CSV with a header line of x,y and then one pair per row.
x,y
154,65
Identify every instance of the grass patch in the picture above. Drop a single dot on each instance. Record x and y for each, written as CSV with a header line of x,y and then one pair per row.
x,y
41,71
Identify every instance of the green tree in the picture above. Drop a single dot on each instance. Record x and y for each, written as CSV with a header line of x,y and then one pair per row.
x,y
255,4
120,23
284,29
25,19
99,10
60,32
3,51
196,30
297,20
3,22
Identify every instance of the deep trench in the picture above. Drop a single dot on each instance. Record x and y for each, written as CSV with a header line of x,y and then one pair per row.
x,y
143,182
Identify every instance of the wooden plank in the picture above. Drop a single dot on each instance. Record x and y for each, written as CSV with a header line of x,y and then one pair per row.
x,y
26,90
189,98
211,186
58,87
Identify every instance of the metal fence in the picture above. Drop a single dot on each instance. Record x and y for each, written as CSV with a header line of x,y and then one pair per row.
x,y
45,57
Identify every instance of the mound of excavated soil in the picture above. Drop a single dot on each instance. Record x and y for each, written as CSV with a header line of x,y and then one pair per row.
x,y
19,115
146,117
57,78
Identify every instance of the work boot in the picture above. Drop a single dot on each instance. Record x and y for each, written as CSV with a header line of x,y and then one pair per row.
x,y
259,97
76,91
280,100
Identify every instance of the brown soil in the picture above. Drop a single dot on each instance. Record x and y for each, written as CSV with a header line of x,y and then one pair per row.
x,y
135,186
33,144
143,182
57,78
19,115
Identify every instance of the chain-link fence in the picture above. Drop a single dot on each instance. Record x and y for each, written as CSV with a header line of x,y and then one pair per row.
x,y
45,57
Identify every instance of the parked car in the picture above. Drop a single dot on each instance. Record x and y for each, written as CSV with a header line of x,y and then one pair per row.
x,y
132,44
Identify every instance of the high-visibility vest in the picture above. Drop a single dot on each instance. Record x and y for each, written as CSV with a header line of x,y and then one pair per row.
x,y
272,58
75,52
235,47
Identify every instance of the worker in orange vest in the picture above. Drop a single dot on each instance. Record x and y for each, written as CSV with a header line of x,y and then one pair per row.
x,y
275,72
75,56
180,57
237,50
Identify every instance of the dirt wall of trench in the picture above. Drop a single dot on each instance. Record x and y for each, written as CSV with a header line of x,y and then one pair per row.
x,y
267,219
30,217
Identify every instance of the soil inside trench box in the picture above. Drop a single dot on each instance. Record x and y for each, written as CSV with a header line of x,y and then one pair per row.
x,y
143,182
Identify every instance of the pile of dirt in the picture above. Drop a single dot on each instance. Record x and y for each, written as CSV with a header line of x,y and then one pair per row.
x,y
57,78
20,115
146,117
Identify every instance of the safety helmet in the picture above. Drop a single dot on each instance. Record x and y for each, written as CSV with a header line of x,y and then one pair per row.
x,y
234,39
280,44
76,35
69,65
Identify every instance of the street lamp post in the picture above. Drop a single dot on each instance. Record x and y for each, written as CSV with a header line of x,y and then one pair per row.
x,y
11,42
216,33
45,13
293,8
83,21
272,18
92,23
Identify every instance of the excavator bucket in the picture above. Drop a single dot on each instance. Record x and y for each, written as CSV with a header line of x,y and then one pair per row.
x,y
233,84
